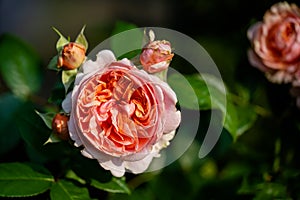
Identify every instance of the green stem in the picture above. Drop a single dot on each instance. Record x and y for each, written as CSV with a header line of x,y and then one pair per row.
x,y
277,150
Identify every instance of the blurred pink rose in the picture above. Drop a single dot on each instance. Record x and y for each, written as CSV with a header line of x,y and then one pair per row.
x,y
276,43
156,56
121,115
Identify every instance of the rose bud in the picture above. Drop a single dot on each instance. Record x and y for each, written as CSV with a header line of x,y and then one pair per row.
x,y
276,44
72,56
156,56
60,126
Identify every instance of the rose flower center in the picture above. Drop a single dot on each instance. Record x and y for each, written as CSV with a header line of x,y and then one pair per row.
x,y
118,113
287,32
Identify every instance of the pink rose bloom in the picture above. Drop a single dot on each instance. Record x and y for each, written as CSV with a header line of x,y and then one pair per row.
x,y
276,43
121,115
156,56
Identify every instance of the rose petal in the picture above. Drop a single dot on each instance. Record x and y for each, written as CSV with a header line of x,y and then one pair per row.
x,y
115,165
89,66
104,58
140,166
73,131
67,103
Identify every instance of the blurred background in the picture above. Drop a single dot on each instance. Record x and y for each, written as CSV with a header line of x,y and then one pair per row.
x,y
244,169
31,20
207,21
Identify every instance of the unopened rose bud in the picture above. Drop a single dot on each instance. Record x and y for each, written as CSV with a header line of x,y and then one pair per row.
x,y
156,56
60,126
72,56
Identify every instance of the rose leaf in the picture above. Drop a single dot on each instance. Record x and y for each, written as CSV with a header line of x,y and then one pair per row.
x,y
23,180
67,190
19,66
116,185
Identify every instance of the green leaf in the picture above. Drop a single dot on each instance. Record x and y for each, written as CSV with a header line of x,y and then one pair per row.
x,y
246,118
47,118
88,168
72,175
82,39
19,66
9,134
21,180
53,64
32,128
68,77
271,191
66,190
116,185
59,151
192,93
62,41
125,42
121,26
131,55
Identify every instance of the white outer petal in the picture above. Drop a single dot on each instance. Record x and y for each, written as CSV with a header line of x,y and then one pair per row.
x,y
67,103
89,66
115,165
105,57
73,132
140,166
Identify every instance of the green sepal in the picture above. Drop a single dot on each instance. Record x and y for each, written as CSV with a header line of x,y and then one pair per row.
x,y
62,41
67,77
162,75
47,118
53,138
81,39
53,64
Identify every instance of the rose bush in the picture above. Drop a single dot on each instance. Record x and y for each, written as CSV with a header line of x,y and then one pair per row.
x,y
276,43
121,115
